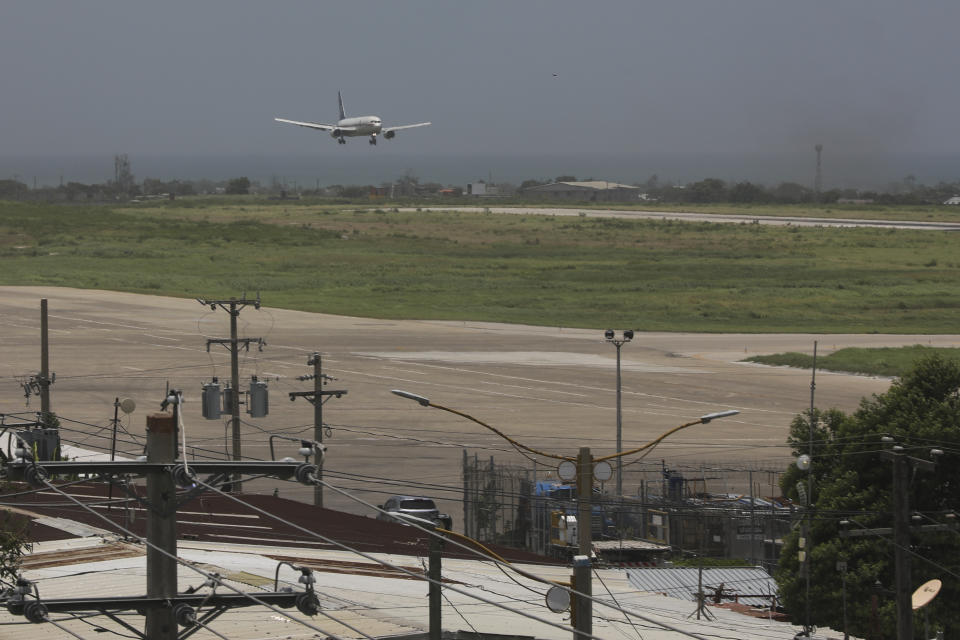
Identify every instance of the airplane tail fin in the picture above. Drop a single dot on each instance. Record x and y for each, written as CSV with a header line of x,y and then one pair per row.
x,y
340,100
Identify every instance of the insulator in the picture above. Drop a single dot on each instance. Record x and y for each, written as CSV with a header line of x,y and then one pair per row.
x,y
35,476
306,473
308,604
35,611
184,476
184,615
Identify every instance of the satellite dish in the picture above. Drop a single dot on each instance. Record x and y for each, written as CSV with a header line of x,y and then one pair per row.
x,y
127,405
558,599
567,470
602,471
925,593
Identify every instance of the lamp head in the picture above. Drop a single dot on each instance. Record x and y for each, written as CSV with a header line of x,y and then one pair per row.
x,y
608,334
411,396
628,334
719,414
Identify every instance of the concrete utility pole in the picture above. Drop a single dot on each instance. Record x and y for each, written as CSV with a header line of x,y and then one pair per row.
x,y
161,526
233,307
315,397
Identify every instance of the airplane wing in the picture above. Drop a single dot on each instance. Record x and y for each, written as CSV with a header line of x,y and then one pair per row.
x,y
405,126
310,125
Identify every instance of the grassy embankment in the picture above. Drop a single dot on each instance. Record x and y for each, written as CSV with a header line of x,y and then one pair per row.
x,y
878,362
544,270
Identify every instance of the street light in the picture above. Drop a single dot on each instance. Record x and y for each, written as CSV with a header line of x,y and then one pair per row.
x,y
625,336
585,466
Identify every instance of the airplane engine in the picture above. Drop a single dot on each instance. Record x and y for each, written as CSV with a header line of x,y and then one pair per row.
x,y
389,134
335,133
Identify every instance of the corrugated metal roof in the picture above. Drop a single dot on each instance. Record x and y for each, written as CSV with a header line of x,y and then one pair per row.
x,y
681,582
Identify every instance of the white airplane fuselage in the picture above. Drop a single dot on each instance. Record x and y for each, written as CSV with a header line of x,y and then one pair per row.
x,y
357,126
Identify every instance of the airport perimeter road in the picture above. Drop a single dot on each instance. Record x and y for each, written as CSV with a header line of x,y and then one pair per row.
x,y
551,388
720,218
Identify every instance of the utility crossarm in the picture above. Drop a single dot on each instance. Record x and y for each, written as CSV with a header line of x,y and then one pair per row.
x,y
311,395
281,469
26,602
283,599
37,474
228,342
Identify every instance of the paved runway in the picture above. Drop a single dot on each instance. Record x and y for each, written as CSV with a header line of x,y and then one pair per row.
x,y
719,218
552,388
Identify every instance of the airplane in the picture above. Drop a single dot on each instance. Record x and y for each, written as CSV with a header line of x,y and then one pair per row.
x,y
358,126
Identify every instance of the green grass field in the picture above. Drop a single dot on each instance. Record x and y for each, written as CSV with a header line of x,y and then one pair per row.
x,y
542,270
885,361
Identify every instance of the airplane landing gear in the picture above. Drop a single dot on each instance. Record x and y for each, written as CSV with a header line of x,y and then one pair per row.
x,y
341,141
373,139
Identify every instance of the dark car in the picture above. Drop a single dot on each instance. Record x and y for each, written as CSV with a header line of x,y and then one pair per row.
x,y
417,507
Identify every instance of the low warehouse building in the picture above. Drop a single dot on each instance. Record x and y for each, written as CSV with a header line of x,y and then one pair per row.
x,y
591,191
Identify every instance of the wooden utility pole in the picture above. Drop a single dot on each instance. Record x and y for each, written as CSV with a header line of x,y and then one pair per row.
x,y
581,563
317,362
161,526
435,574
44,365
315,398
233,307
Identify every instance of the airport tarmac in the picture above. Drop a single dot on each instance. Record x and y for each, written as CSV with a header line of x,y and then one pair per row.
x,y
718,218
551,388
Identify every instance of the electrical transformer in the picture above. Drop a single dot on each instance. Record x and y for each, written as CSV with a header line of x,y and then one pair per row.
x,y
258,406
228,399
211,400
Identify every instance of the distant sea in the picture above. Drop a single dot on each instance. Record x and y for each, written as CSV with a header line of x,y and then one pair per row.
x,y
375,166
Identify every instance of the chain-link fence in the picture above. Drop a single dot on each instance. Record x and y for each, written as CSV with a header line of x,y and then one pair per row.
x,y
710,509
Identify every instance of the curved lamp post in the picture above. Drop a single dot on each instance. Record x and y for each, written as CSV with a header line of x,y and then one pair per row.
x,y
584,472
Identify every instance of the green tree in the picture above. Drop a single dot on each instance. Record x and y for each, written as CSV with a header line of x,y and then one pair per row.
x,y
851,481
747,192
240,186
707,190
13,544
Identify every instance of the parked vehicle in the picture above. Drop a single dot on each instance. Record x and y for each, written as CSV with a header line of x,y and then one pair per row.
x,y
417,507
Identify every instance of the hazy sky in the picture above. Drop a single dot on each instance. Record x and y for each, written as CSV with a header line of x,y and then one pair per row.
x,y
179,77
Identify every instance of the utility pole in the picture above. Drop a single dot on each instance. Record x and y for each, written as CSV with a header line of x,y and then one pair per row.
x,y
582,578
44,365
435,574
161,525
315,398
904,468
164,607
233,307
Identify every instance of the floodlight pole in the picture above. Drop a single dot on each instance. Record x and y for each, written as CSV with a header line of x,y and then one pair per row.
x,y
626,336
